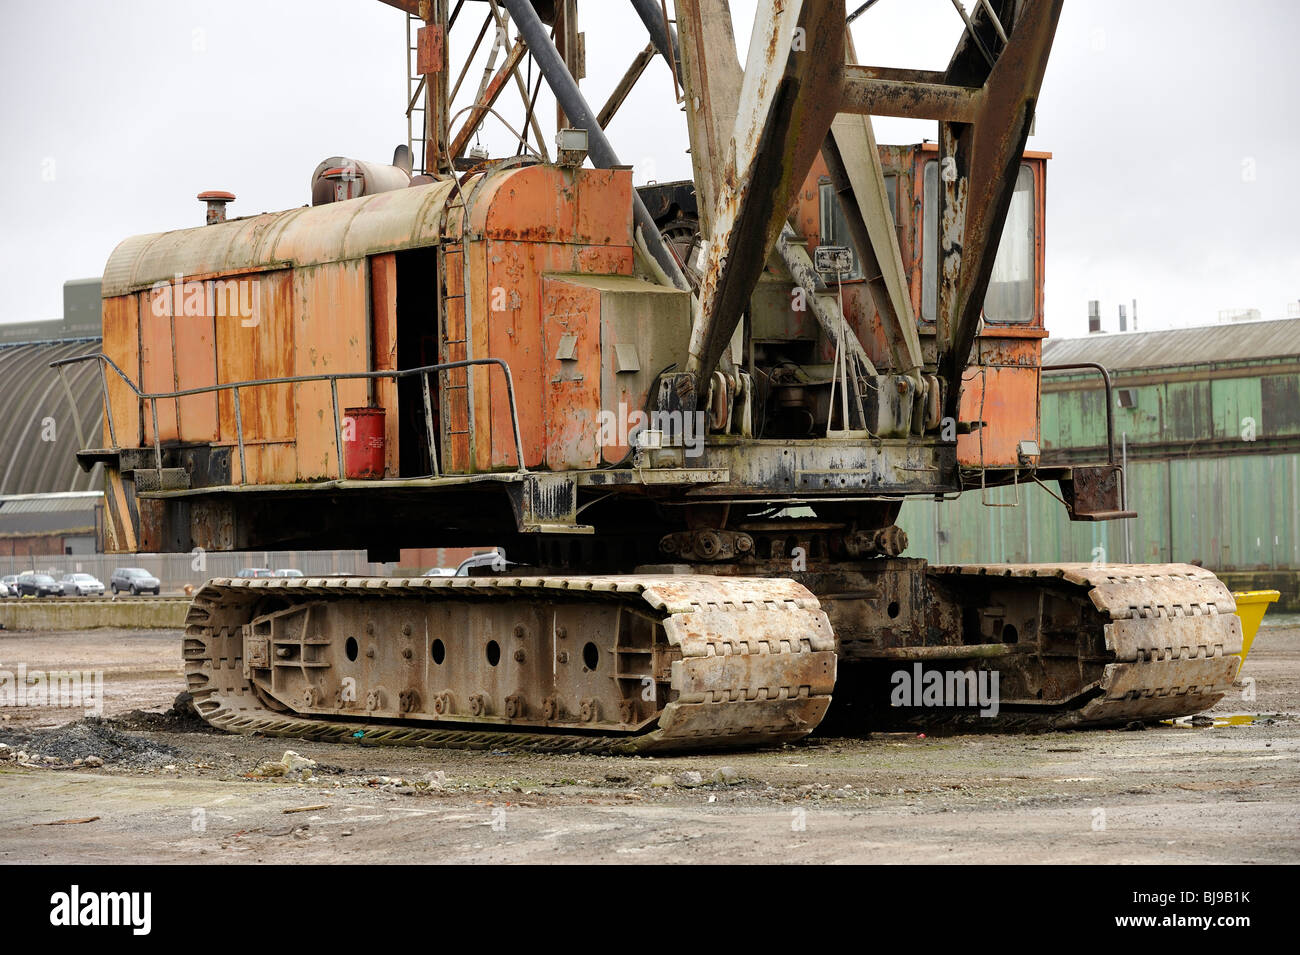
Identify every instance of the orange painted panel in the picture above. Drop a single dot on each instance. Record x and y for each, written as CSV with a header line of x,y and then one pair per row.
x,y
1006,398
515,335
539,220
268,462
572,374
196,367
253,346
329,337
122,344
157,371
516,276
604,211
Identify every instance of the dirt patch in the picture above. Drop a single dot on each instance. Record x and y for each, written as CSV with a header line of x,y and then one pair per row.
x,y
93,738
173,790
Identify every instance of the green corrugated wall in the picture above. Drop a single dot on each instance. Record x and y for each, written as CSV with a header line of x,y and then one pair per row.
x,y
1201,491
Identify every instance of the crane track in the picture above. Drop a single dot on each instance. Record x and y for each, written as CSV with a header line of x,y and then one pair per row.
x,y
755,660
1171,630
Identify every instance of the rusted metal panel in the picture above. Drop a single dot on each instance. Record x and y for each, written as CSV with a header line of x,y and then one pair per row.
x,y
538,221
329,336
338,231
572,374
1006,399
431,42
196,366
643,330
157,366
260,346
122,344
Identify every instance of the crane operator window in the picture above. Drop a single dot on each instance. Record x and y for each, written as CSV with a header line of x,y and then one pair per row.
x,y
1010,296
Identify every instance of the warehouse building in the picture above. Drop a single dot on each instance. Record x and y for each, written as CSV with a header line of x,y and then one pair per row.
x,y
1208,420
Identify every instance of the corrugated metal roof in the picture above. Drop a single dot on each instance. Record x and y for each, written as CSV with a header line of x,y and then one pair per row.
x,y
310,235
1240,341
31,393
50,504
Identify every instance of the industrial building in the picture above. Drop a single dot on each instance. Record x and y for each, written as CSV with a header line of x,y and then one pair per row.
x,y
1208,420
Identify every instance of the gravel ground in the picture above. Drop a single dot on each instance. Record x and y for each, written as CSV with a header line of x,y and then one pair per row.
x,y
172,790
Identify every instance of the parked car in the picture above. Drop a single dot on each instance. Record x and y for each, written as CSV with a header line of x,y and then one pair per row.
x,y
81,585
39,585
288,572
256,572
11,583
496,561
440,572
134,580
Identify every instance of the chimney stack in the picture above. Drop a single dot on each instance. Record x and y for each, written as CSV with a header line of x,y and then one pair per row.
x,y
1094,317
216,200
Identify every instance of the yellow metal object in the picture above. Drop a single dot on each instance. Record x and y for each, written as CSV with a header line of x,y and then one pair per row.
x,y
1251,605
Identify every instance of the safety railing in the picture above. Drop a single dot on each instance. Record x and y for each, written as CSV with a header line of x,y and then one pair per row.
x,y
422,372
1108,385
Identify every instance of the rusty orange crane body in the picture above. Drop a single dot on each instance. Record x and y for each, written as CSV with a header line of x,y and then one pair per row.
x,y
690,413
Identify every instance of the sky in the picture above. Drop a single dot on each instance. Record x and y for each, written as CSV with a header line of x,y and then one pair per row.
x,y
1174,129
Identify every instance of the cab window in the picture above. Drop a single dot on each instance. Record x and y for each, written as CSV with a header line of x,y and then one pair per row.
x,y
1010,295
835,227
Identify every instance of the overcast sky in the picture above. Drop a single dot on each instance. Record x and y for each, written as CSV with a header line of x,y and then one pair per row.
x,y
1174,128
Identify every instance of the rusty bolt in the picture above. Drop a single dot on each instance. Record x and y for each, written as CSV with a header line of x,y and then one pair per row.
x,y
370,652
562,656
514,706
406,629
375,700
442,704
406,653
744,543
627,711
309,696
478,705
550,709
561,632
519,656
409,701
520,632
370,628
668,545
587,711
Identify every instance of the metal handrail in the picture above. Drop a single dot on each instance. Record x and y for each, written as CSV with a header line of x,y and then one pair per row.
x,y
423,371
1110,397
